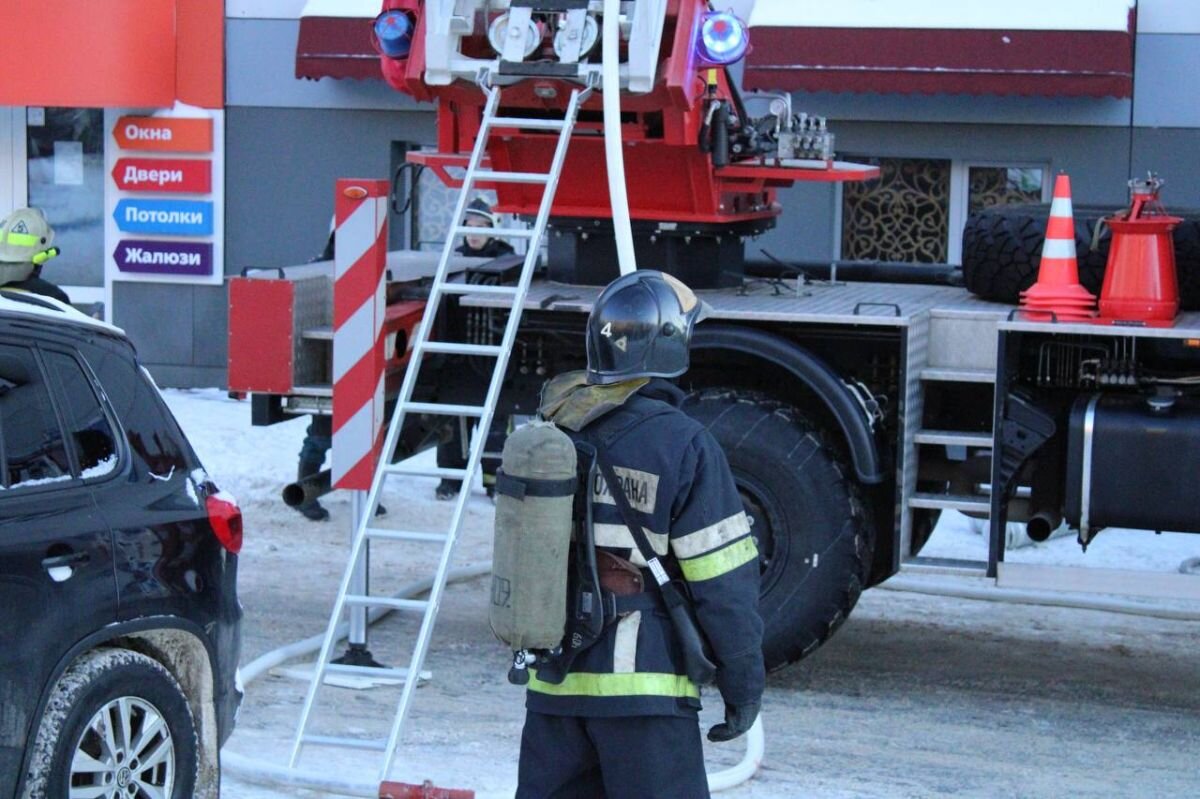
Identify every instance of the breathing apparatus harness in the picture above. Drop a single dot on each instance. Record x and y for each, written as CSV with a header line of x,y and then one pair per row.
x,y
592,609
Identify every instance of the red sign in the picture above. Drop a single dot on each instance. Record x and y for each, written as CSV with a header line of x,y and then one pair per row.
x,y
164,134
186,175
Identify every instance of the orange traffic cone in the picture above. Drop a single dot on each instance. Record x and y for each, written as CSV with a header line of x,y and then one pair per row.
x,y
1058,293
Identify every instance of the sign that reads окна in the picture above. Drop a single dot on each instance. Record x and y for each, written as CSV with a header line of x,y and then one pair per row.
x,y
164,134
164,257
165,217
184,175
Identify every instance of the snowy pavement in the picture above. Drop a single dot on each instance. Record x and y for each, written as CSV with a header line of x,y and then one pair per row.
x,y
916,696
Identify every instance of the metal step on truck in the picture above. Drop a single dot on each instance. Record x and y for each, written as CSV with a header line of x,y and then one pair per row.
x,y
853,412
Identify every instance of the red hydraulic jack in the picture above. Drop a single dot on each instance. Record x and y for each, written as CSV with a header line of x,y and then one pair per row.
x,y
427,790
1140,284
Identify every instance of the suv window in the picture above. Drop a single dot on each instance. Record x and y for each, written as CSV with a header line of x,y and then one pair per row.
x,y
90,433
33,451
156,444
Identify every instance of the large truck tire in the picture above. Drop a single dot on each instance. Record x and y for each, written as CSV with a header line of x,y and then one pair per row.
x,y
1002,247
814,536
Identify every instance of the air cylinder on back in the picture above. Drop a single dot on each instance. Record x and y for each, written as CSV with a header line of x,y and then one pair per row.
x,y
535,491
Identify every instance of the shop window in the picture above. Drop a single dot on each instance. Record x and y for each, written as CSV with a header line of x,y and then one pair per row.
x,y
902,216
66,180
915,211
1002,185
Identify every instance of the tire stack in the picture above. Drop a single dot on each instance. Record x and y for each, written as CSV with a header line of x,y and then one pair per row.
x,y
1002,247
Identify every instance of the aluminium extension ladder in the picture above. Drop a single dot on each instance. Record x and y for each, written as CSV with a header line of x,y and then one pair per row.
x,y
484,412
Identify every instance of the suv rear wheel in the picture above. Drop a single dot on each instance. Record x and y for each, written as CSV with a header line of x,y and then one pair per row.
x,y
117,725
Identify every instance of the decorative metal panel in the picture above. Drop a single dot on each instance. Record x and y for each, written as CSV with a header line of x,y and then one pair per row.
x,y
903,216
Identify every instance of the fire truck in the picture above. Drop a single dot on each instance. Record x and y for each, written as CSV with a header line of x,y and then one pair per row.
x,y
855,403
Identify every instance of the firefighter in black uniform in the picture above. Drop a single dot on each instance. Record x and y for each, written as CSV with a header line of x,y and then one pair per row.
x,y
622,722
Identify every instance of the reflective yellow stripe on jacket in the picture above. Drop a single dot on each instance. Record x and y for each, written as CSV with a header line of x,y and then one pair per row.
x,y
724,560
625,684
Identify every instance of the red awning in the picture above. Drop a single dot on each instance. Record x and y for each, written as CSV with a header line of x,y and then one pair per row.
x,y
128,54
335,40
1064,48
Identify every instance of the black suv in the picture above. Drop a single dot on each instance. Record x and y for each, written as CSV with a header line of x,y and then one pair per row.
x,y
120,630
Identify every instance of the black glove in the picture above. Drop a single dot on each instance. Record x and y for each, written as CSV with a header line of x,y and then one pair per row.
x,y
738,720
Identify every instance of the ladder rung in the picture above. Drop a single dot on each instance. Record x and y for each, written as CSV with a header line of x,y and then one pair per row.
x,y
376,744
440,409
952,438
959,502
454,348
359,600
491,176
367,671
528,124
447,473
404,535
495,232
472,288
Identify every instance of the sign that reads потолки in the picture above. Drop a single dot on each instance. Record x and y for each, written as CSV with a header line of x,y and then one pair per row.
x,y
165,217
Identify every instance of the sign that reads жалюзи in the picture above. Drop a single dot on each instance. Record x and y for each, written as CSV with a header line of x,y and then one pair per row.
x,y
164,257
165,217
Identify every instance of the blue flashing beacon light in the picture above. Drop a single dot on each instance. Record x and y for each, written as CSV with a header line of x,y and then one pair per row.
x,y
394,32
724,38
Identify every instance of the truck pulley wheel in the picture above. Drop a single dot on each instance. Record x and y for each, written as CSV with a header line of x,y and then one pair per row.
x,y
814,535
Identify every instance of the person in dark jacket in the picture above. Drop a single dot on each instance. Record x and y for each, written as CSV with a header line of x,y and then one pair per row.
x,y
622,722
451,452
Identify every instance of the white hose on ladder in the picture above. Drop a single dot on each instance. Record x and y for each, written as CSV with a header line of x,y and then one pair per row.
x,y
262,772
614,157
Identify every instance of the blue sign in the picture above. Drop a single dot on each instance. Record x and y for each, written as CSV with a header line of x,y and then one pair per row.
x,y
165,217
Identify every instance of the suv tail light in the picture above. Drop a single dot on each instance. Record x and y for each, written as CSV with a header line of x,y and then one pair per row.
x,y
226,520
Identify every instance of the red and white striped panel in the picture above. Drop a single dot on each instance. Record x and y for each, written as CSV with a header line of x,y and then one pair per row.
x,y
359,306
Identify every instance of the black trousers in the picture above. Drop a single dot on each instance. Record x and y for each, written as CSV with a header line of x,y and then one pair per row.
x,y
631,757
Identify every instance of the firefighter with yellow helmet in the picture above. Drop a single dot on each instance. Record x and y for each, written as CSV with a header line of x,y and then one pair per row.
x,y
26,244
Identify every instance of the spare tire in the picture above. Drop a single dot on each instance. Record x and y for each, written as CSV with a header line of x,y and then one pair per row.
x,y
1002,247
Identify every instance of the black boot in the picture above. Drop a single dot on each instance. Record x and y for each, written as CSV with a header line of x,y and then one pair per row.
x,y
313,511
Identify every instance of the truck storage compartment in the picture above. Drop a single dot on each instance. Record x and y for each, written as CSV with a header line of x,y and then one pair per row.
x,y
1133,462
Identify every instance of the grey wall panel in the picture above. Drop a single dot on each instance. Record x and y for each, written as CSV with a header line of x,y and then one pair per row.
x,y
1097,159
210,314
280,170
945,108
1164,95
260,69
1175,156
171,376
157,317
804,231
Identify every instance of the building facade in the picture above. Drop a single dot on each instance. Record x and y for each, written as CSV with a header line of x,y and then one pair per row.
x,y
151,229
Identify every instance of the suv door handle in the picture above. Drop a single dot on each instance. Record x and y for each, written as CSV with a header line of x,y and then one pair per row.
x,y
61,567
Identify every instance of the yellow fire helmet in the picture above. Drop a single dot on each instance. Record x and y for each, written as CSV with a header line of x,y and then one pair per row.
x,y
26,237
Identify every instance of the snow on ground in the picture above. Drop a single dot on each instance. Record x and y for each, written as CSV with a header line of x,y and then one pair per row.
x,y
916,696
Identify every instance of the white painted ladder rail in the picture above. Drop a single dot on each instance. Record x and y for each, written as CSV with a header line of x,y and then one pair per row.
x,y
484,413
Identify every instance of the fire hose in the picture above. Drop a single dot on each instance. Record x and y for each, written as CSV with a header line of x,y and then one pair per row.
x,y
262,772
